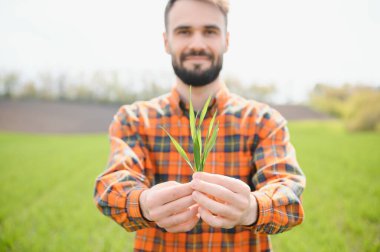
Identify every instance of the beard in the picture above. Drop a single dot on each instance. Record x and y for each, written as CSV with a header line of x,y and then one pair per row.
x,y
197,77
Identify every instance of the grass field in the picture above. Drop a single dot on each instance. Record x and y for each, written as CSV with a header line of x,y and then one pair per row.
x,y
47,186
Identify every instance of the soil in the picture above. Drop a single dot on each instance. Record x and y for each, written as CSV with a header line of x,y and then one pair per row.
x,y
34,116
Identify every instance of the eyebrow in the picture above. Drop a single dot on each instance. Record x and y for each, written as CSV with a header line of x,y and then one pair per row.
x,y
212,27
182,27
186,27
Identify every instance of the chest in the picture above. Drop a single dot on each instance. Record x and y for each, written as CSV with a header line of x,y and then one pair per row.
x,y
231,155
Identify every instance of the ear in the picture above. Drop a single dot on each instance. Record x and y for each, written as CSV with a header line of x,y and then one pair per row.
x,y
166,42
227,41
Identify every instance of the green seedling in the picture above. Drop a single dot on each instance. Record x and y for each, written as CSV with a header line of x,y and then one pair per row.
x,y
201,150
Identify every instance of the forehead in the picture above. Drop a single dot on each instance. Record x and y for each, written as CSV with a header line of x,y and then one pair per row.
x,y
195,13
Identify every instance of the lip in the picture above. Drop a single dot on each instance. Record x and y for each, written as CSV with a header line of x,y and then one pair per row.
x,y
197,58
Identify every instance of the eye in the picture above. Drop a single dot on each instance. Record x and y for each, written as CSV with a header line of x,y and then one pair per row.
x,y
183,32
211,32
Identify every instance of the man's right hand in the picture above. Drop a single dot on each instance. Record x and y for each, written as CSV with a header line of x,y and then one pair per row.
x,y
171,206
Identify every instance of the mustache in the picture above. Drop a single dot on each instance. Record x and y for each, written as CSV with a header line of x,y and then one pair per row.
x,y
196,53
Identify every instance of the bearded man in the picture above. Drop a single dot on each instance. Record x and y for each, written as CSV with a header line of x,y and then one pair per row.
x,y
251,185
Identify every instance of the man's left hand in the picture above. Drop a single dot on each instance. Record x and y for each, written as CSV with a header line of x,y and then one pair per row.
x,y
231,202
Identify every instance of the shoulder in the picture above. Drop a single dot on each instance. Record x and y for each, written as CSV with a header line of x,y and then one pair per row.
x,y
256,110
136,111
259,115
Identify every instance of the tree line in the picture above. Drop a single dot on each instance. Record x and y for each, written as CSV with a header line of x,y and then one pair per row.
x,y
105,87
358,106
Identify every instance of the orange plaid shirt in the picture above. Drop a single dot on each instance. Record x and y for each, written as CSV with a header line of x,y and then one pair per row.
x,y
252,145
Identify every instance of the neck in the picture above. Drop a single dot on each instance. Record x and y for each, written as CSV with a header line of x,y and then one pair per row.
x,y
199,95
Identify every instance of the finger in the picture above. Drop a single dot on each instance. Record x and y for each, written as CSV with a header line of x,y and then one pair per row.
x,y
175,192
166,184
219,192
185,226
152,199
171,208
169,193
178,219
215,221
215,207
232,184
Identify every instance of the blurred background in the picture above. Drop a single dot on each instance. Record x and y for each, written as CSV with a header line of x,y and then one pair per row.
x,y
66,67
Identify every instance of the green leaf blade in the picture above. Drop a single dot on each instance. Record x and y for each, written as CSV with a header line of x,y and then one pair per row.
x,y
199,136
210,144
192,119
200,150
179,149
204,110
211,125
197,157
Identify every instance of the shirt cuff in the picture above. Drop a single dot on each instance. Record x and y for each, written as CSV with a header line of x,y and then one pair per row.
x,y
264,210
133,208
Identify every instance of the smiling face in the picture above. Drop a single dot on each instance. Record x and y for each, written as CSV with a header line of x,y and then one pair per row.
x,y
196,38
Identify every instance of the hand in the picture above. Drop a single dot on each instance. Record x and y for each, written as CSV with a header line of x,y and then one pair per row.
x,y
233,202
171,206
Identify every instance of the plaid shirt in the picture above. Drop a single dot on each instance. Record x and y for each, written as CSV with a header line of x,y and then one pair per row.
x,y
252,145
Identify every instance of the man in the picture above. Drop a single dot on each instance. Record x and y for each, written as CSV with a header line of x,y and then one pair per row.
x,y
252,183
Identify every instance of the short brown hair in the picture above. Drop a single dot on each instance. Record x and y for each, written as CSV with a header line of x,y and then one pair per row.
x,y
223,6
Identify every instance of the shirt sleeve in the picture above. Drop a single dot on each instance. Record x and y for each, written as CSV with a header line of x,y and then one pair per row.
x,y
118,188
278,181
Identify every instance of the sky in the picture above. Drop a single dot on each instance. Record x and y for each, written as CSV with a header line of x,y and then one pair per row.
x,y
292,44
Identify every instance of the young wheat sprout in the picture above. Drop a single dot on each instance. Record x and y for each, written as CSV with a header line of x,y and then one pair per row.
x,y
201,150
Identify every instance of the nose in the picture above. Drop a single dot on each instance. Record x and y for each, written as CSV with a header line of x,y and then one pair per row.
x,y
197,42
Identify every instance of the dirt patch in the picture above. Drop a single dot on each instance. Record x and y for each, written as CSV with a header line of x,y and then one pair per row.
x,y
300,112
75,117
54,117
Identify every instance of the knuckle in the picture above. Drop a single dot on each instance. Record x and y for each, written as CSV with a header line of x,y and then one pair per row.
x,y
174,194
183,218
247,189
215,222
189,226
224,212
160,224
175,221
242,203
229,226
153,214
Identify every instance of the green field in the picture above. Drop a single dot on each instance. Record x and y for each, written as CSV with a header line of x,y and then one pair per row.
x,y
47,187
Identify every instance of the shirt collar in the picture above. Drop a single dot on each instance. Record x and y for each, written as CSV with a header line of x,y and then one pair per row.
x,y
180,107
